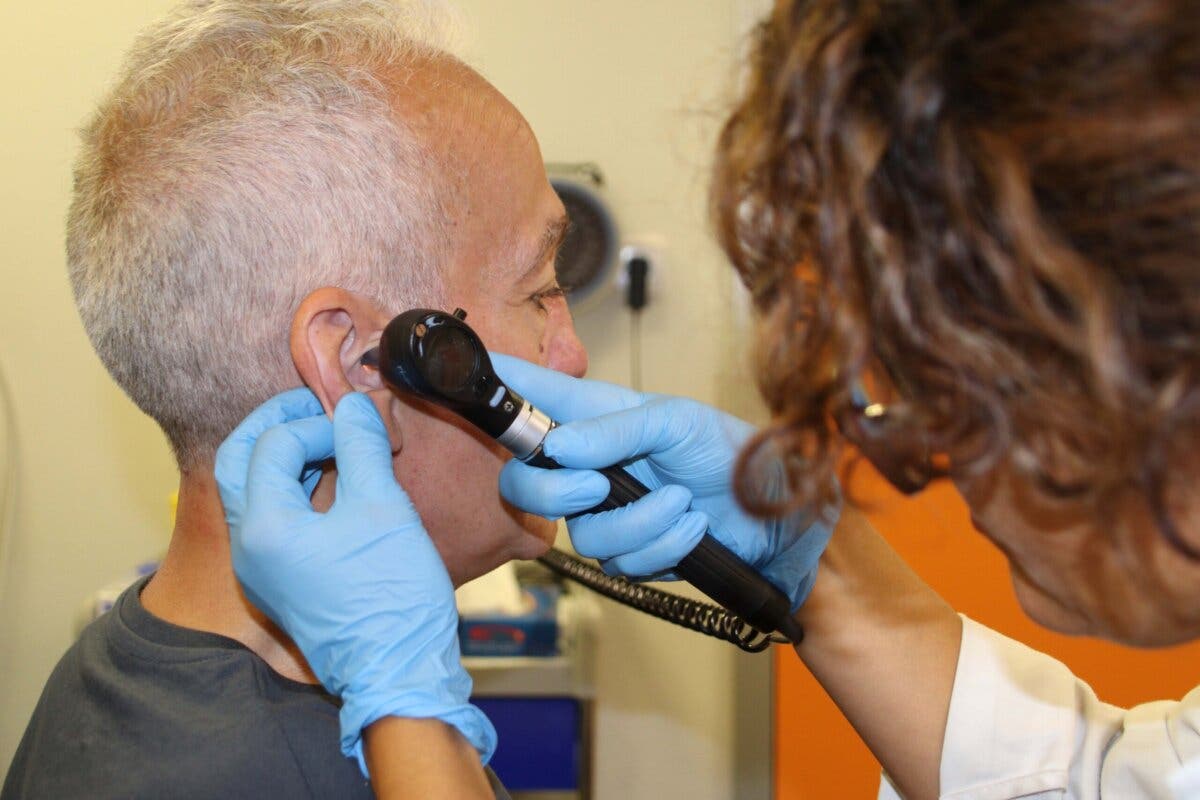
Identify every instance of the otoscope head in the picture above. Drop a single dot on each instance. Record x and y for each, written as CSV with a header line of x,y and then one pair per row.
x,y
436,356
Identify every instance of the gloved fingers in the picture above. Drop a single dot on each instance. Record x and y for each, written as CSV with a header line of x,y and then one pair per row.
x,y
311,477
632,527
660,556
612,571
364,452
552,493
793,567
621,435
563,397
278,462
233,456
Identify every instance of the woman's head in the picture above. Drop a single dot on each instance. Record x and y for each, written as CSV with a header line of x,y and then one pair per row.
x,y
990,213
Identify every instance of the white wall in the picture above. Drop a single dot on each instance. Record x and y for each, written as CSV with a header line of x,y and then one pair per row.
x,y
635,86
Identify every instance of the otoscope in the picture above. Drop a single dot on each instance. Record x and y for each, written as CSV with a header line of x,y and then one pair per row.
x,y
436,356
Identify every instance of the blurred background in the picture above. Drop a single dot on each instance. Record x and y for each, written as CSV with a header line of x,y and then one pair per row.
x,y
636,87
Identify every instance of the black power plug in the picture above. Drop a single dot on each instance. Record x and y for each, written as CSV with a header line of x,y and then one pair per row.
x,y
638,272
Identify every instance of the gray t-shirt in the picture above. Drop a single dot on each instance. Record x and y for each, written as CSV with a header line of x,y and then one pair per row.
x,y
141,708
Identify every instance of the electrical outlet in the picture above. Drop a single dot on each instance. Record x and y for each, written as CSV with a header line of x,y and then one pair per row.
x,y
650,247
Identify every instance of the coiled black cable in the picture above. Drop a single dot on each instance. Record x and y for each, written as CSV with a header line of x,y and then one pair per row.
x,y
706,618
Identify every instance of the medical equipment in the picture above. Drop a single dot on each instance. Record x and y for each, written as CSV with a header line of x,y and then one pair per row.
x,y
587,260
437,356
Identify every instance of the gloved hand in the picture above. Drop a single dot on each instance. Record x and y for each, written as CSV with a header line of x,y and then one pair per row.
x,y
360,588
683,450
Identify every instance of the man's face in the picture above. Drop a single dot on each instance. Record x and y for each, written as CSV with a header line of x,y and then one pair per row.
x,y
506,237
1115,577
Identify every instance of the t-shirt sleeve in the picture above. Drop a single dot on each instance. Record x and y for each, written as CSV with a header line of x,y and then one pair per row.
x,y
1022,725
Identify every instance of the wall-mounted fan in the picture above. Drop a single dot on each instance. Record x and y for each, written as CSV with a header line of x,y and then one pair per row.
x,y
589,253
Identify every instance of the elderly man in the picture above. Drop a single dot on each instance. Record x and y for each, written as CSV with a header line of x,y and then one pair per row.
x,y
268,183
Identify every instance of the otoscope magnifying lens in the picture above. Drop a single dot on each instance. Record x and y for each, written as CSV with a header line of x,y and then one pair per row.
x,y
450,359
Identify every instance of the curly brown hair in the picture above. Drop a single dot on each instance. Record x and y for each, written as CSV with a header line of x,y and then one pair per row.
x,y
994,207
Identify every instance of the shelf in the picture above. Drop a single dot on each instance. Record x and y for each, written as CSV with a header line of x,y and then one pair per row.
x,y
529,676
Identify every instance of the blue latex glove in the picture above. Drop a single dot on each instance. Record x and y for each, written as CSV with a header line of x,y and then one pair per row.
x,y
360,588
684,451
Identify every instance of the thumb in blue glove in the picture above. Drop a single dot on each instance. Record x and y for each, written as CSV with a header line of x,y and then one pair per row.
x,y
684,451
361,588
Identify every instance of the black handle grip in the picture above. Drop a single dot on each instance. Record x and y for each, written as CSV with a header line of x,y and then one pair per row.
x,y
623,490
712,568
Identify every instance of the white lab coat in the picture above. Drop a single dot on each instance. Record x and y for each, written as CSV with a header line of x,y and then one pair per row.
x,y
1022,726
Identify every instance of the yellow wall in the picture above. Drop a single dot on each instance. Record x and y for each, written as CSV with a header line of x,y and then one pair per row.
x,y
93,473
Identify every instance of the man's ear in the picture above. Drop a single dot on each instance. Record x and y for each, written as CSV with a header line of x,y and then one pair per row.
x,y
331,330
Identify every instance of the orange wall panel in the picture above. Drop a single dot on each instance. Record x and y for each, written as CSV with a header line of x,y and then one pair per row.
x,y
818,756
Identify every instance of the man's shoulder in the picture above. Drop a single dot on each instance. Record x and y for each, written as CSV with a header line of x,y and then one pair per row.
x,y
120,717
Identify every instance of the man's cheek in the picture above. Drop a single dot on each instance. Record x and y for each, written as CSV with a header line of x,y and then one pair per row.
x,y
522,337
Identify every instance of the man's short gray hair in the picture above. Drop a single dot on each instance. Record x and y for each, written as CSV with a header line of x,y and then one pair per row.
x,y
248,155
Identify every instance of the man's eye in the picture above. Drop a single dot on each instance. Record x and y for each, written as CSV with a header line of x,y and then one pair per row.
x,y
539,299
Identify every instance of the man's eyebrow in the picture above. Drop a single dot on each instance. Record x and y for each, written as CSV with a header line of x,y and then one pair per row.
x,y
551,239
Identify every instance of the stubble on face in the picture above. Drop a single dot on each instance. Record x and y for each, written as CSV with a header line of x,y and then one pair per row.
x,y
494,177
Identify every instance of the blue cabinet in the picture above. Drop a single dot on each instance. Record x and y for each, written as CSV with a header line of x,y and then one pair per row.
x,y
542,742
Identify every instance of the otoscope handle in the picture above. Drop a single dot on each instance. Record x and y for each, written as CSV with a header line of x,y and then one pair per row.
x,y
713,568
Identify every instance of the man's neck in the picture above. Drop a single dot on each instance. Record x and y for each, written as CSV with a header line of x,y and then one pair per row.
x,y
195,586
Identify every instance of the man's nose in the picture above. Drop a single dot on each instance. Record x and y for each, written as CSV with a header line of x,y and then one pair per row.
x,y
566,353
